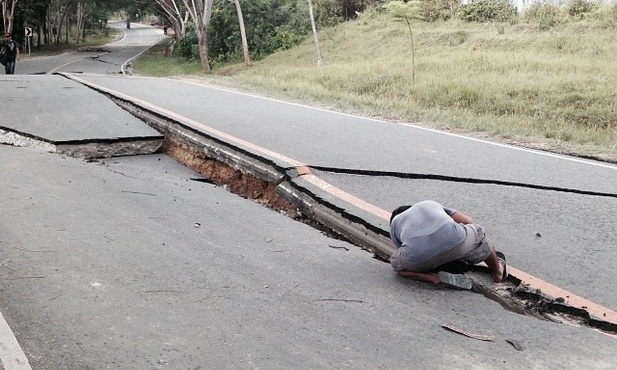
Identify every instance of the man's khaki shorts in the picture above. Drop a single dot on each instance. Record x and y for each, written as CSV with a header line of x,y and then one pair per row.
x,y
474,249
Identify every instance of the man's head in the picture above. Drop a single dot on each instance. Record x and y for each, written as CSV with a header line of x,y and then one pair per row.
x,y
398,211
8,36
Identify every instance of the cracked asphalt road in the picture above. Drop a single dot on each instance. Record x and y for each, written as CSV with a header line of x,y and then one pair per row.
x,y
576,228
112,294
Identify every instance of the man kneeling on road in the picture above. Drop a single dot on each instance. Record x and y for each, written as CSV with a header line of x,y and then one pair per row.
x,y
428,235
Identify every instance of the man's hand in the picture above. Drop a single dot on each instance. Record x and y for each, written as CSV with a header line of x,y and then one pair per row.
x,y
461,218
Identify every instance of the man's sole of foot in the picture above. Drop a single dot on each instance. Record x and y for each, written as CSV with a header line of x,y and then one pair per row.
x,y
455,281
502,259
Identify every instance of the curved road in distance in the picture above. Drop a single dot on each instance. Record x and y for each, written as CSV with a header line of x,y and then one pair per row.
x,y
108,59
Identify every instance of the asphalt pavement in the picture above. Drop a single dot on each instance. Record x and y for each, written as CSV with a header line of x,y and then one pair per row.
x,y
127,263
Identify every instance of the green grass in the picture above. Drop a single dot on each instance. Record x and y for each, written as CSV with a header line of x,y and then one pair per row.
x,y
157,64
552,89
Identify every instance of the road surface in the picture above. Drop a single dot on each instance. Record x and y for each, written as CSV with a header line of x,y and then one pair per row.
x,y
130,263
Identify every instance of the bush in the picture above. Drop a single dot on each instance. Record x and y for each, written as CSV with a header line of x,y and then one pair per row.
x,y
577,8
187,48
610,12
435,10
544,14
351,8
488,10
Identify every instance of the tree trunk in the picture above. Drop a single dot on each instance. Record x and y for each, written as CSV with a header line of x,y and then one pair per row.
x,y
201,12
203,51
245,44
58,25
319,57
413,53
80,20
174,16
8,12
67,30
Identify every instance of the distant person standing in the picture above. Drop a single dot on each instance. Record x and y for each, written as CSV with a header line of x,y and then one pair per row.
x,y
11,49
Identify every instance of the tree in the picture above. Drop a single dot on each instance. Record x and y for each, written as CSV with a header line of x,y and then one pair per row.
x,y
315,38
245,44
83,11
8,14
176,15
201,12
55,15
34,14
49,18
407,11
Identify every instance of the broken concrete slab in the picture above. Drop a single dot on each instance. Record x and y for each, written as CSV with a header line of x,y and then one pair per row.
x,y
62,112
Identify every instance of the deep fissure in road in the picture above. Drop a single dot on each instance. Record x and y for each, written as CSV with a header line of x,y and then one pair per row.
x,y
513,295
238,182
219,162
224,175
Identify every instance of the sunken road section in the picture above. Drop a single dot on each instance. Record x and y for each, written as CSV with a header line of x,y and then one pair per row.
x,y
273,186
87,149
261,180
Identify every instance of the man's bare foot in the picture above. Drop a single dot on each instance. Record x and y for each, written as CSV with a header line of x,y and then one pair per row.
x,y
501,274
498,274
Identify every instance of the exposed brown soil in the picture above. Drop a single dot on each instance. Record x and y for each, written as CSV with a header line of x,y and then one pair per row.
x,y
221,174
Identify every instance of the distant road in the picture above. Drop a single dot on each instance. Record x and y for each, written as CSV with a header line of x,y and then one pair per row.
x,y
109,59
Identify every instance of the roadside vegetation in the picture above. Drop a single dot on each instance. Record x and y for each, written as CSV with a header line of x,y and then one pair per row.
x,y
545,78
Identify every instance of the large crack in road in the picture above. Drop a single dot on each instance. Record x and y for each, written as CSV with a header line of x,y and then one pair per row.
x,y
261,180
264,182
513,295
467,180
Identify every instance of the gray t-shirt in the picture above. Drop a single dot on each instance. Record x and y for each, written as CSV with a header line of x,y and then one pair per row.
x,y
426,230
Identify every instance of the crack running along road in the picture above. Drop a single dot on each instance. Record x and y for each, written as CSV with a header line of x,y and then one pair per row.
x,y
594,309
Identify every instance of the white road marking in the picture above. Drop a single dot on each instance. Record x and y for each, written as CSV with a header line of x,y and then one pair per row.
x,y
11,354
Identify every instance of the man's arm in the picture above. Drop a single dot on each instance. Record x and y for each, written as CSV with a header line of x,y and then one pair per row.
x,y
428,277
461,218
